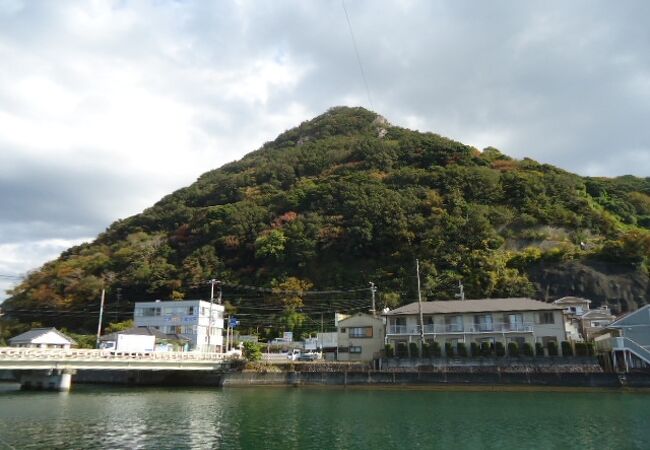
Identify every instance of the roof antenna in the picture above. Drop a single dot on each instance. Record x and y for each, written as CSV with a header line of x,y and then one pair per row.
x,y
461,291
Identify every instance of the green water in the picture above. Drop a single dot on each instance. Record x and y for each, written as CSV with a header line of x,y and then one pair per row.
x,y
322,418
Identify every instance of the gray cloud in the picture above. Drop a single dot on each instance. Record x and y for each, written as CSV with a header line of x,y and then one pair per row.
x,y
106,107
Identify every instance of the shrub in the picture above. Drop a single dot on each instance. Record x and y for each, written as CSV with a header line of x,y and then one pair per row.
x,y
567,350
414,350
252,351
426,350
513,349
500,349
486,348
539,349
474,349
435,350
402,350
581,349
449,350
552,348
462,349
389,350
528,349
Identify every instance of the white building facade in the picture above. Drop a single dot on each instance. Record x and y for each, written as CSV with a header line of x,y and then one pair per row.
x,y
190,318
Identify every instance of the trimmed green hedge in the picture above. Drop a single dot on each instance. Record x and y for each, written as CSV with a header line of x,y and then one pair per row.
x,y
414,350
449,350
567,350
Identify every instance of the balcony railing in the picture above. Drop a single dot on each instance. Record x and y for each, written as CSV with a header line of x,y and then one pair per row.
x,y
457,328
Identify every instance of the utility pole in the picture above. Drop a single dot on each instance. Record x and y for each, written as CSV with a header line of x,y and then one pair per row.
x,y
417,269
101,313
461,291
2,314
373,289
117,309
228,332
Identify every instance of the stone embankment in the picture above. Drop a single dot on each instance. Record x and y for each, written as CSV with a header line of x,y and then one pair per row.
x,y
558,373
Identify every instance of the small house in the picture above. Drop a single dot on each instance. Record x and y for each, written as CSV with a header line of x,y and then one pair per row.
x,y
42,338
360,337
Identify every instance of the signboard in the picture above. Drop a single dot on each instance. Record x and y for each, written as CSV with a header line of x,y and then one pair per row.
x,y
233,322
287,336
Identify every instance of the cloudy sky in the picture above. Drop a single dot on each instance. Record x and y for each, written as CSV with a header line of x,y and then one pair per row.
x,y
106,106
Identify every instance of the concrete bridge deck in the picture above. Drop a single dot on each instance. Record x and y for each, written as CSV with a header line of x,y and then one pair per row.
x,y
16,358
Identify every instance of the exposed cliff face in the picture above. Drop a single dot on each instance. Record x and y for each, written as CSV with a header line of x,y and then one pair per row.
x,y
621,287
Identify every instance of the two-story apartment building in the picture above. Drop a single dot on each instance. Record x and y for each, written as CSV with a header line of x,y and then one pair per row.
x,y
520,320
189,318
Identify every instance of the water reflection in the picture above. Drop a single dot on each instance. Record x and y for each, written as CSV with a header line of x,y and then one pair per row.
x,y
279,418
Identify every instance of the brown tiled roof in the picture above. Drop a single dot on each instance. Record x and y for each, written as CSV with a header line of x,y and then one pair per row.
x,y
475,306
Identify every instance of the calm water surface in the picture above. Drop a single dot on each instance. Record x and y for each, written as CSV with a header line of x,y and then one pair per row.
x,y
322,418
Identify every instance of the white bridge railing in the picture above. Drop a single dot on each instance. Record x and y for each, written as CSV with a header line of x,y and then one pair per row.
x,y
59,354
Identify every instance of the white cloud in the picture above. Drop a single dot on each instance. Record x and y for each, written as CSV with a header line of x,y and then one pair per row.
x,y
17,259
106,106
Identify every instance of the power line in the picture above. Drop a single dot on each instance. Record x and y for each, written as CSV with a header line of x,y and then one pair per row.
x,y
356,51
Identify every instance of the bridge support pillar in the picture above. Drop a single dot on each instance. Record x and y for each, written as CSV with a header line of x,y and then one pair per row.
x,y
49,380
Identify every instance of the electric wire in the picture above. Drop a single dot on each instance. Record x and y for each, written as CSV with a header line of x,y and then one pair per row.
x,y
356,51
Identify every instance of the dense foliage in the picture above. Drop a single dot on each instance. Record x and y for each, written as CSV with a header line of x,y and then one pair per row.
x,y
339,201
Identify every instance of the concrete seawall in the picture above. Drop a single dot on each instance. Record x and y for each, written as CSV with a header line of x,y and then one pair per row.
x,y
428,378
354,378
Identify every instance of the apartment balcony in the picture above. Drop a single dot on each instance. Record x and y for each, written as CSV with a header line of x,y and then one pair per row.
x,y
459,329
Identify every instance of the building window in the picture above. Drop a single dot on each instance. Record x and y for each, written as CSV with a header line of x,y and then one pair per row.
x,y
355,349
454,323
147,312
483,322
343,349
546,318
360,332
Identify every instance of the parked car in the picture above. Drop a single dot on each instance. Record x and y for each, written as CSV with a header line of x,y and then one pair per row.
x,y
309,356
293,354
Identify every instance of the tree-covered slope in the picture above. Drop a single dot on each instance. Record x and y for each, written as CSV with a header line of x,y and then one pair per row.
x,y
345,199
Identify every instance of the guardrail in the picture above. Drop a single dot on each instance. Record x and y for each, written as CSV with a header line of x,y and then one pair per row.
x,y
454,328
58,354
623,343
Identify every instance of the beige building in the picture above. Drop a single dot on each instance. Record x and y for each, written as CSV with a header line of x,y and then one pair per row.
x,y
520,320
360,337
583,323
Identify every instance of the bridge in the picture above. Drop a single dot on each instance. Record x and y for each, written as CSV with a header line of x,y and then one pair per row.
x,y
52,368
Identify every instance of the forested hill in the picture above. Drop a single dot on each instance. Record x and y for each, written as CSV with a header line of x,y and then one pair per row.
x,y
347,198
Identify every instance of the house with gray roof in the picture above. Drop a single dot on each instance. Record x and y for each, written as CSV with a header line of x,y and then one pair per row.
x,y
627,340
42,338
504,320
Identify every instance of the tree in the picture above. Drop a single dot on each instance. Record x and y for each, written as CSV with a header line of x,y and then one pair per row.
x,y
289,294
252,351
119,326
